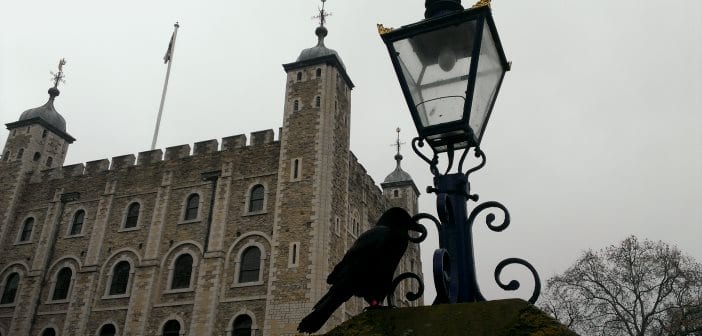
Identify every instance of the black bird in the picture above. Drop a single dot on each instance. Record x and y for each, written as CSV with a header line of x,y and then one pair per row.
x,y
367,268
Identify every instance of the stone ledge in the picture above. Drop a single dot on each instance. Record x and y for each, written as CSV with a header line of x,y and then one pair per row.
x,y
512,317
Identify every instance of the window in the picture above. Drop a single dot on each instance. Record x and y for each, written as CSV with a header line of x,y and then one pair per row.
x,y
317,101
37,156
242,326
294,254
44,134
27,229
296,105
108,330
6,156
299,76
250,266
295,169
19,153
133,215
182,272
120,278
171,328
10,291
63,283
49,161
49,332
191,206
338,226
78,219
256,198
319,72
396,193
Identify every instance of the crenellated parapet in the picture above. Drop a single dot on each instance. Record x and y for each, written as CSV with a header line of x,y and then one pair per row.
x,y
156,156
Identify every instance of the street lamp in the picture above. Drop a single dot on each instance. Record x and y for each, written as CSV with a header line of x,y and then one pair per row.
x,y
450,67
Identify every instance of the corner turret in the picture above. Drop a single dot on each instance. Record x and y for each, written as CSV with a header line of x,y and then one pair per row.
x,y
398,187
39,139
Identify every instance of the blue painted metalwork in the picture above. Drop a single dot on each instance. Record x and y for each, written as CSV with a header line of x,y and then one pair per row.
x,y
454,261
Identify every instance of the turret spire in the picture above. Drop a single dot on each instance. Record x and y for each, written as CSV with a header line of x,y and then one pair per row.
x,y
322,16
398,144
56,78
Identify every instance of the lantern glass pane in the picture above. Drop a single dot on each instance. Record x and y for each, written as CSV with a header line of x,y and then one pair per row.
x,y
435,66
487,82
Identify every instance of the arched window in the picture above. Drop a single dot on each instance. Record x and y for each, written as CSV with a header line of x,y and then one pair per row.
x,y
317,101
27,229
133,215
49,332
19,153
63,283
44,134
120,278
242,326
319,72
10,291
250,266
256,198
37,156
171,328
49,161
108,330
191,206
299,75
77,225
296,105
182,272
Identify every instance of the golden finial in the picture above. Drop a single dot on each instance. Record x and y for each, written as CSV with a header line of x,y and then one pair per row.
x,y
382,30
57,77
482,3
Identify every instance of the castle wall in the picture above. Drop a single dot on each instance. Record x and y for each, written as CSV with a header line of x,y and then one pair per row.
x,y
106,189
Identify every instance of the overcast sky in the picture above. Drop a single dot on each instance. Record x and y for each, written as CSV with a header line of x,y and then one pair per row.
x,y
596,133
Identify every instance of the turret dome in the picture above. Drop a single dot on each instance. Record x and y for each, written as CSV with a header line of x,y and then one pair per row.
x,y
47,112
320,49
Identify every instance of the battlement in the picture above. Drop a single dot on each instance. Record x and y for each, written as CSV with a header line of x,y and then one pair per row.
x,y
156,156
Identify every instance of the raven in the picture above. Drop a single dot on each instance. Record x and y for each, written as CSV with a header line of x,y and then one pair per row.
x,y
367,267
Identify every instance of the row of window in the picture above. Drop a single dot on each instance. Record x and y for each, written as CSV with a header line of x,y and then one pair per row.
x,y
240,327
317,73
249,267
192,208
20,153
317,103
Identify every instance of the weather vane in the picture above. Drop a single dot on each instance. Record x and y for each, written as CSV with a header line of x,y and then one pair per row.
x,y
57,77
397,143
322,16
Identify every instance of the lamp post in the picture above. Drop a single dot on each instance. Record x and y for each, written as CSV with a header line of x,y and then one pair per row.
x,y
450,67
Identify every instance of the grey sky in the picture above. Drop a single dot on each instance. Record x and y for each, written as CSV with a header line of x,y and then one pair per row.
x,y
596,133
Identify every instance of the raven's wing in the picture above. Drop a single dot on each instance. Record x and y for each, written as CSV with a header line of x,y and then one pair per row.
x,y
363,251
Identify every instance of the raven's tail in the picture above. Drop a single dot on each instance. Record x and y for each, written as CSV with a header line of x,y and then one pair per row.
x,y
323,310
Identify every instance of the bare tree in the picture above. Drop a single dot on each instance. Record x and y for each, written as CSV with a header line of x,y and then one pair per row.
x,y
636,288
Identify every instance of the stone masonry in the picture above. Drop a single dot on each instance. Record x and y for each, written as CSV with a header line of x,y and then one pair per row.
x,y
295,203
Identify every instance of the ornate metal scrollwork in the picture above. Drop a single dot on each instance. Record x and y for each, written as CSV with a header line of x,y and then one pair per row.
x,y
411,296
419,142
442,277
490,218
479,154
416,227
514,284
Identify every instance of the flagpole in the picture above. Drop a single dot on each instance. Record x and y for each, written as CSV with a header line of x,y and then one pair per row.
x,y
169,54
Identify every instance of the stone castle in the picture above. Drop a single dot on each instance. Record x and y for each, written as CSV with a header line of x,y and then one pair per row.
x,y
234,238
